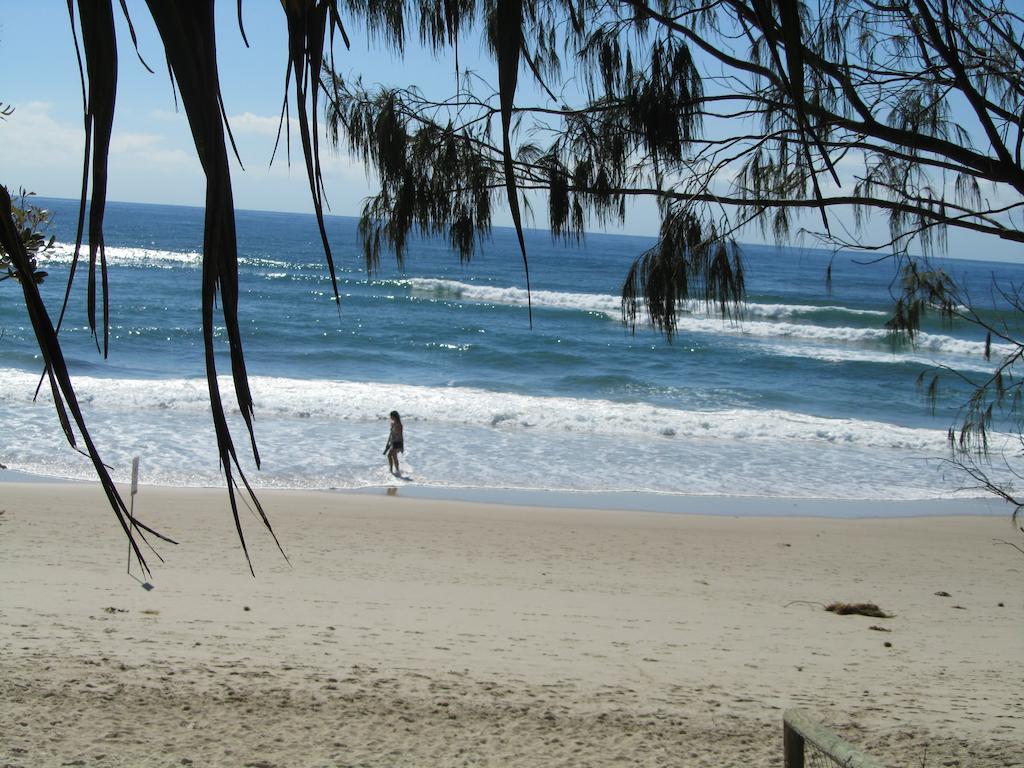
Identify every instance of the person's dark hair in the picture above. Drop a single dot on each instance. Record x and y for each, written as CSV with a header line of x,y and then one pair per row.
x,y
394,415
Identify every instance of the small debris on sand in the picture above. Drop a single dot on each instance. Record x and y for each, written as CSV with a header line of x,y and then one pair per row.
x,y
860,609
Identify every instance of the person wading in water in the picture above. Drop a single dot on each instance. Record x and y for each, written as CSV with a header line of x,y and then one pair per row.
x,y
396,444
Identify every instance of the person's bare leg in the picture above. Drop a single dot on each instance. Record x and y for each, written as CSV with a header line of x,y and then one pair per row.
x,y
393,456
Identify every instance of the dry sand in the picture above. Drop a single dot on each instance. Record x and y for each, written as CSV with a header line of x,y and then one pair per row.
x,y
428,633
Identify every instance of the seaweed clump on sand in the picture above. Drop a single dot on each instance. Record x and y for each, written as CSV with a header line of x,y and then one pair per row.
x,y
859,609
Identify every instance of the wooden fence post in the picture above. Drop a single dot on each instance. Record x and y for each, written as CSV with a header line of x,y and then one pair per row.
x,y
798,728
792,747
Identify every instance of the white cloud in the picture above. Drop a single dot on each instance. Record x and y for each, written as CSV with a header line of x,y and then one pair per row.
x,y
147,152
169,115
333,165
155,161
260,125
31,136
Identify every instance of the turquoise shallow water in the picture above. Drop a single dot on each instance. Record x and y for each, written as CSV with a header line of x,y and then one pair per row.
x,y
805,397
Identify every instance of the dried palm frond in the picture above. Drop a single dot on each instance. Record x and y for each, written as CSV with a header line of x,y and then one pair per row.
x,y
188,34
310,22
506,38
63,392
189,39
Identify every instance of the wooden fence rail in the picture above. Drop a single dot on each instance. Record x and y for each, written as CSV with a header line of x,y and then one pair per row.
x,y
798,728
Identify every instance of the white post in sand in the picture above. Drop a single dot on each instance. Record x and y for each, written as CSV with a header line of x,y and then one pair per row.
x,y
131,509
135,478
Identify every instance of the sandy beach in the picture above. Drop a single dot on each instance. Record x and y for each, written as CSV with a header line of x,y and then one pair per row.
x,y
439,633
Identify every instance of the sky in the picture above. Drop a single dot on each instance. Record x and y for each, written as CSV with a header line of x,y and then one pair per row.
x,y
152,158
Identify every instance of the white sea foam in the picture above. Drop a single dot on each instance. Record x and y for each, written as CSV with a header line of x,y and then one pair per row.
x,y
834,354
603,303
177,448
63,253
695,319
487,294
924,343
323,434
364,402
775,311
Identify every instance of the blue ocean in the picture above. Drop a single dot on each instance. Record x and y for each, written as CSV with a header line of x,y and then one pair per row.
x,y
803,396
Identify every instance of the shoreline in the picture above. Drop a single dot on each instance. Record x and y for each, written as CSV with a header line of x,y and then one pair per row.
x,y
428,632
632,501
711,505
